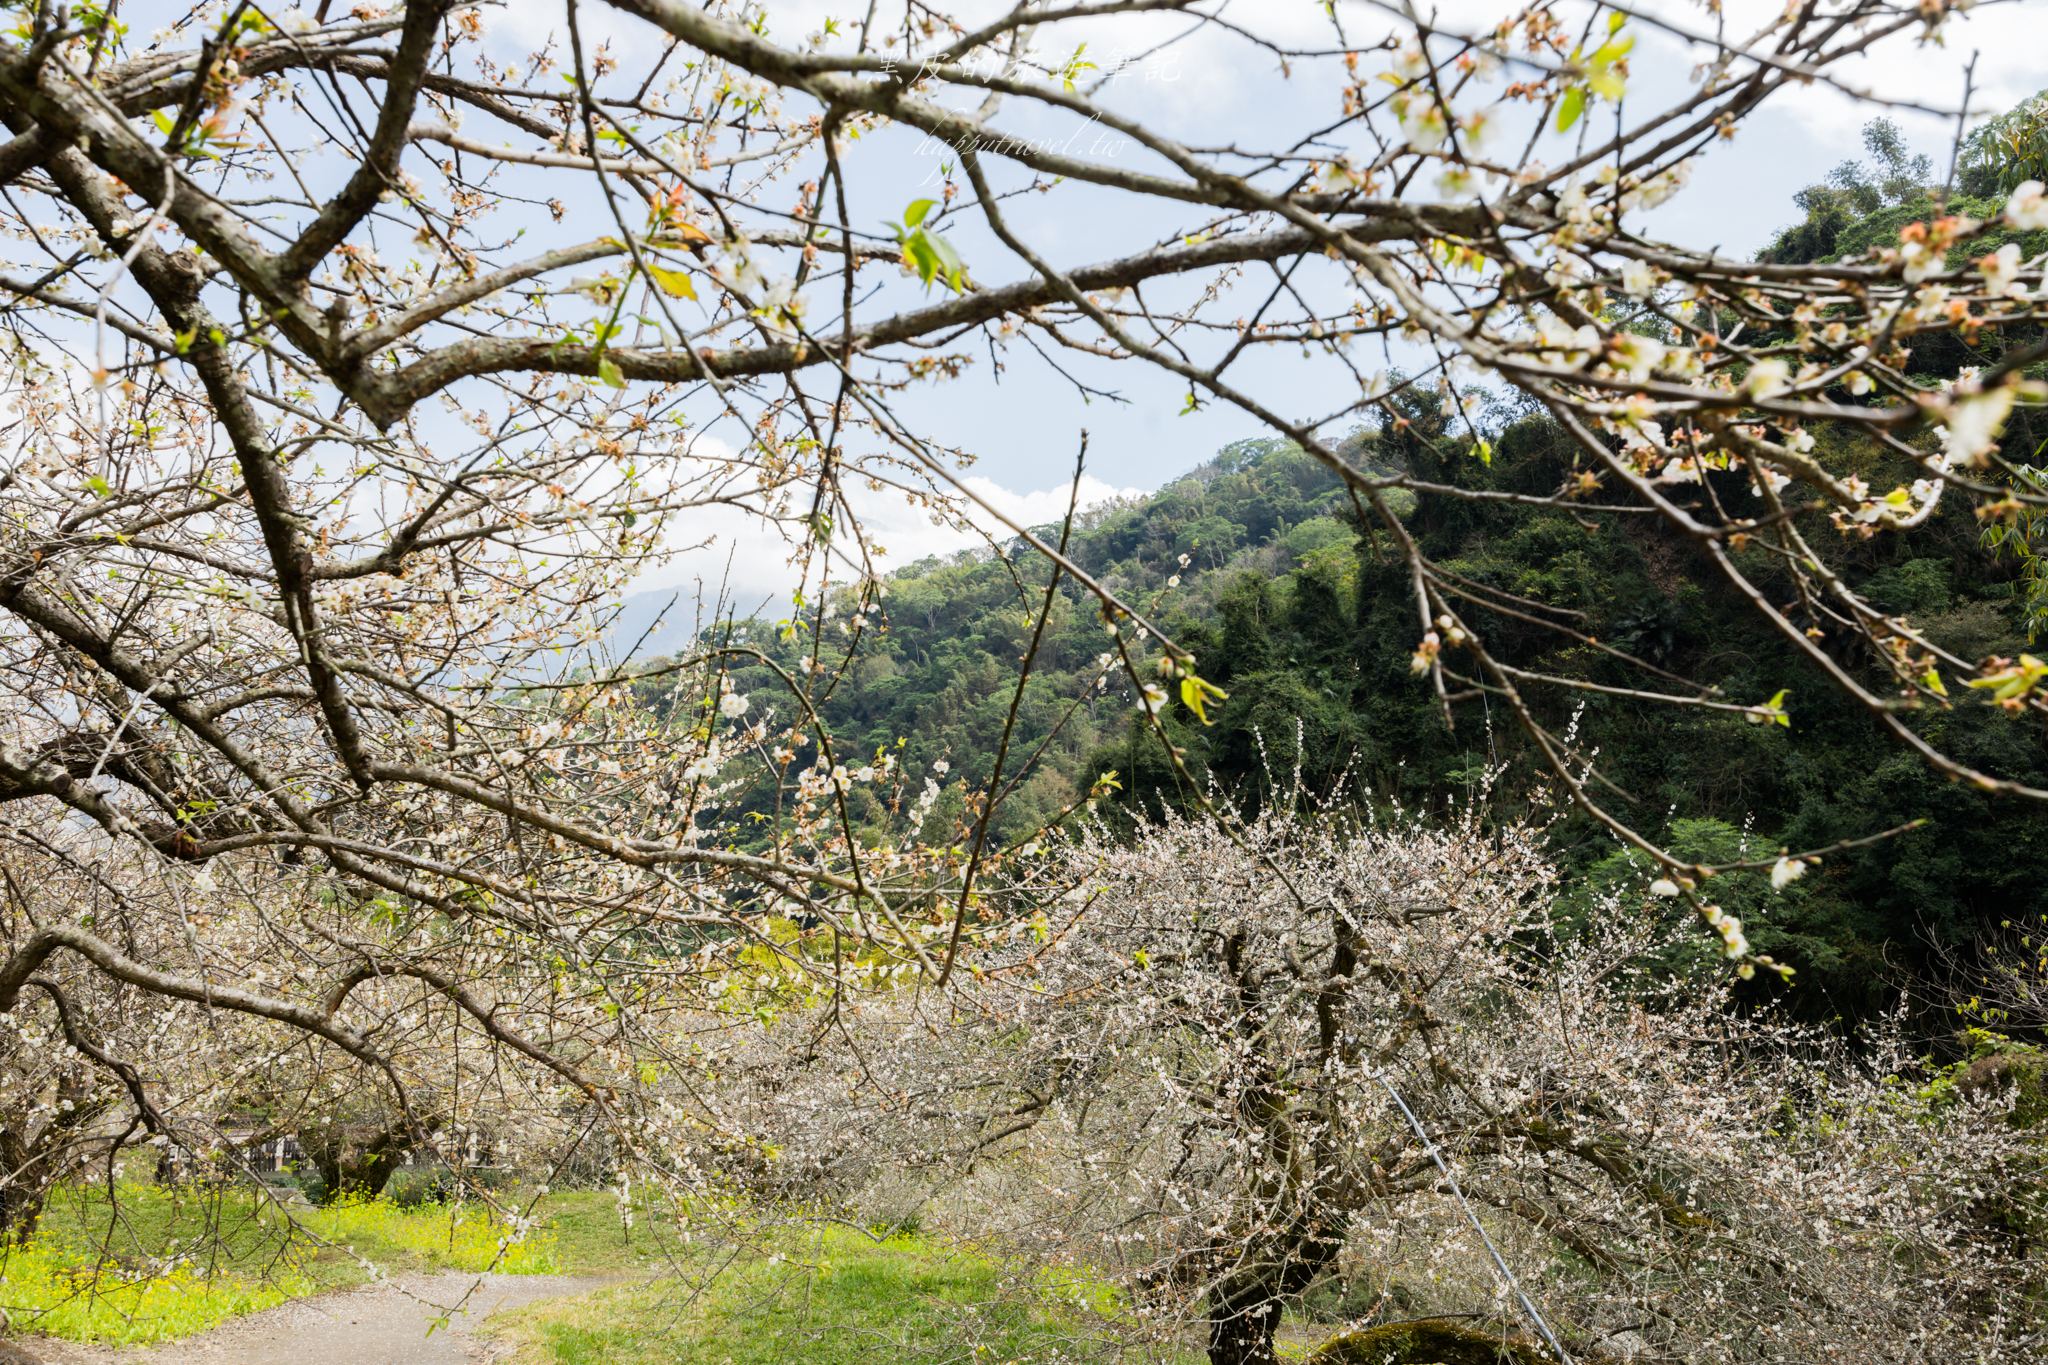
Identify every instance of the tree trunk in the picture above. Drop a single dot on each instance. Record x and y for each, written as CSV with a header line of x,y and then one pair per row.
x,y
367,1174
32,1160
358,1170
21,1207
1244,1335
359,1173
1244,1304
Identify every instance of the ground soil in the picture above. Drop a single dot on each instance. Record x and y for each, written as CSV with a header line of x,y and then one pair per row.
x,y
383,1324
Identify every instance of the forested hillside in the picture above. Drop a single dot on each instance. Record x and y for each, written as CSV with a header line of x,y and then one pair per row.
x,y
1309,626
933,677
1310,631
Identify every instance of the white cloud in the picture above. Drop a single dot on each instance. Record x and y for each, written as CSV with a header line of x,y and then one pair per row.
x,y
756,561
1904,67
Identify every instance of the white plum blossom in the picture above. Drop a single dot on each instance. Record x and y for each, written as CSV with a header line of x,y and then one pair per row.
x,y
1568,345
733,265
2027,210
1974,421
1768,378
1422,120
1475,130
1918,259
1575,205
1425,655
1457,182
1659,188
782,307
1586,1112
1635,355
2001,271
1734,943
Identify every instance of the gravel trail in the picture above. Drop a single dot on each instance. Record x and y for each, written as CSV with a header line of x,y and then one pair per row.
x,y
382,1324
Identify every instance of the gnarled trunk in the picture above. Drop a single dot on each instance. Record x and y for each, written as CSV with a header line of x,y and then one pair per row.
x,y
1244,1306
1243,1335
344,1172
38,1151
359,1168
21,1206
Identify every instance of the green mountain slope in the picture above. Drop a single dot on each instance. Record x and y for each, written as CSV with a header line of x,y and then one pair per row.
x,y
1257,563
1309,627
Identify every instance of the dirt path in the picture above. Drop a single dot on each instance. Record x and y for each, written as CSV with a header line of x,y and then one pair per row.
x,y
382,1324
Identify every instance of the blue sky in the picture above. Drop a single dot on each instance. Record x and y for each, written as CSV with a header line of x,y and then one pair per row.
x,y
1023,426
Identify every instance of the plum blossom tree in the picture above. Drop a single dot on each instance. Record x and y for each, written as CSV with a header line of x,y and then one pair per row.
x,y
1394,1070
358,361
89,1064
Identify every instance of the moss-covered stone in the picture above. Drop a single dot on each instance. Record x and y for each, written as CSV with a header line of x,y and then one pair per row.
x,y
1427,1341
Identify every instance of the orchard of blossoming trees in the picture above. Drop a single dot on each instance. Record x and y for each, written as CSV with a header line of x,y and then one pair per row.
x,y
359,358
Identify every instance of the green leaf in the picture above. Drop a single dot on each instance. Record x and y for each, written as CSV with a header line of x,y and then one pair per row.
x,y
1574,105
952,269
674,283
610,373
98,486
1608,53
1195,694
914,215
1771,712
922,257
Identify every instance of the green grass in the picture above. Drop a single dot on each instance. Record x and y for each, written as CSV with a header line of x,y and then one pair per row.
x,y
828,1297
154,1264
